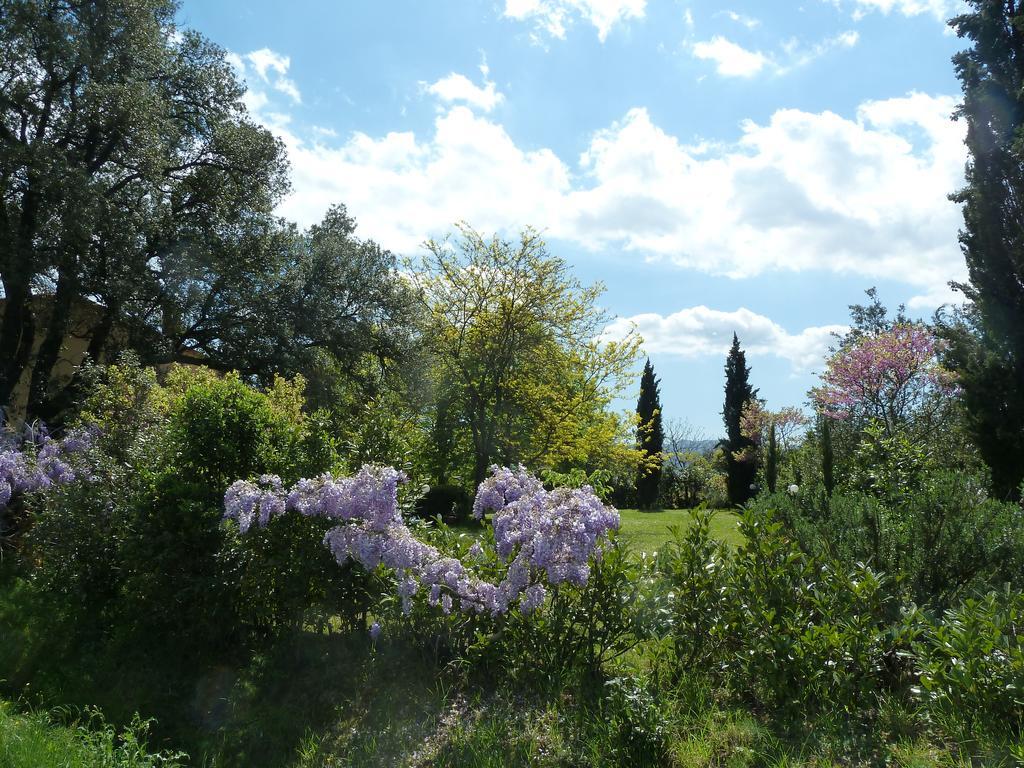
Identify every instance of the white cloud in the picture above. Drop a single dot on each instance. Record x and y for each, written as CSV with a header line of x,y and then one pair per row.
x,y
700,331
747,21
805,191
799,55
459,88
404,189
936,297
731,59
863,195
263,68
264,62
553,17
940,9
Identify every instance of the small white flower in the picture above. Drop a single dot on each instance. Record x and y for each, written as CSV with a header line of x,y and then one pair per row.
x,y
793,489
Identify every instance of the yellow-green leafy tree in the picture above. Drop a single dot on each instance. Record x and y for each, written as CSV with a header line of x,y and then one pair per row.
x,y
519,364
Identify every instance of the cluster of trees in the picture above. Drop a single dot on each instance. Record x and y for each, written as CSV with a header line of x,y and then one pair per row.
x,y
137,205
137,211
886,370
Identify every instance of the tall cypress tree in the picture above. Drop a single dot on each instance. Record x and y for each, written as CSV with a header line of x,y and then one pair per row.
x,y
771,464
650,439
828,459
740,464
987,339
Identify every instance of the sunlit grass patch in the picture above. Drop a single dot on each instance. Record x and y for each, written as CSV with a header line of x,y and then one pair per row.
x,y
648,531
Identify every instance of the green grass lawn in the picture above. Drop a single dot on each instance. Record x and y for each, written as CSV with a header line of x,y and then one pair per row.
x,y
647,531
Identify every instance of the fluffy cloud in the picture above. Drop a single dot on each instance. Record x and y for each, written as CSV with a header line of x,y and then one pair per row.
x,y
733,60
747,21
866,196
262,69
940,9
700,331
459,88
553,17
404,189
863,195
272,69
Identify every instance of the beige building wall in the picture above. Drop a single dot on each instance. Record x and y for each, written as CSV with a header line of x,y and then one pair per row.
x,y
84,317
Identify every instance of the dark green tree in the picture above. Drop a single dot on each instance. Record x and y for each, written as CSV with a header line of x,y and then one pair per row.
x,y
987,338
828,459
319,303
650,439
138,207
771,462
741,466
124,145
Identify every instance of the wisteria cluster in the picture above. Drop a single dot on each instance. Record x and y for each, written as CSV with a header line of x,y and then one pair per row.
x,y
540,536
35,461
885,375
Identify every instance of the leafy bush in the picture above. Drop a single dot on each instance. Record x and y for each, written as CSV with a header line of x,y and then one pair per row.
x,y
145,550
582,628
798,633
691,479
696,569
943,541
971,665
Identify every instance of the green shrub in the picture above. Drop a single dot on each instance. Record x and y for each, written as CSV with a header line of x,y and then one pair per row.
x,y
696,569
286,578
941,542
143,548
971,665
797,633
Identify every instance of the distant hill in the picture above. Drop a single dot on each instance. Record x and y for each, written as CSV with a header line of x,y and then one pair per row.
x,y
697,446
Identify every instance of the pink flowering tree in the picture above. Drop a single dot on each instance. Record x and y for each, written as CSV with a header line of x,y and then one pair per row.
x,y
771,434
892,376
756,422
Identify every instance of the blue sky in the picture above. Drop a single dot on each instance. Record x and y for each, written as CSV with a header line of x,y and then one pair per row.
x,y
747,166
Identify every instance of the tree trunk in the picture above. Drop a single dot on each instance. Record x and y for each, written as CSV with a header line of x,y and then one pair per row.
x,y
16,336
39,402
101,333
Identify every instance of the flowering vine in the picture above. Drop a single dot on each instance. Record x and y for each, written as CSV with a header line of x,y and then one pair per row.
x,y
35,461
542,537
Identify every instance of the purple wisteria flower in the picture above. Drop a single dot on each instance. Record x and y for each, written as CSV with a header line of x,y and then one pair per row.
x,y
37,461
541,535
503,487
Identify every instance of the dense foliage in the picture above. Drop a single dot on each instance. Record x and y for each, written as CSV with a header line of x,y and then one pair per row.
x,y
987,337
519,372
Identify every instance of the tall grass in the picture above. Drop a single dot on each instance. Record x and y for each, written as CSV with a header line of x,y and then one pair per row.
x,y
39,740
